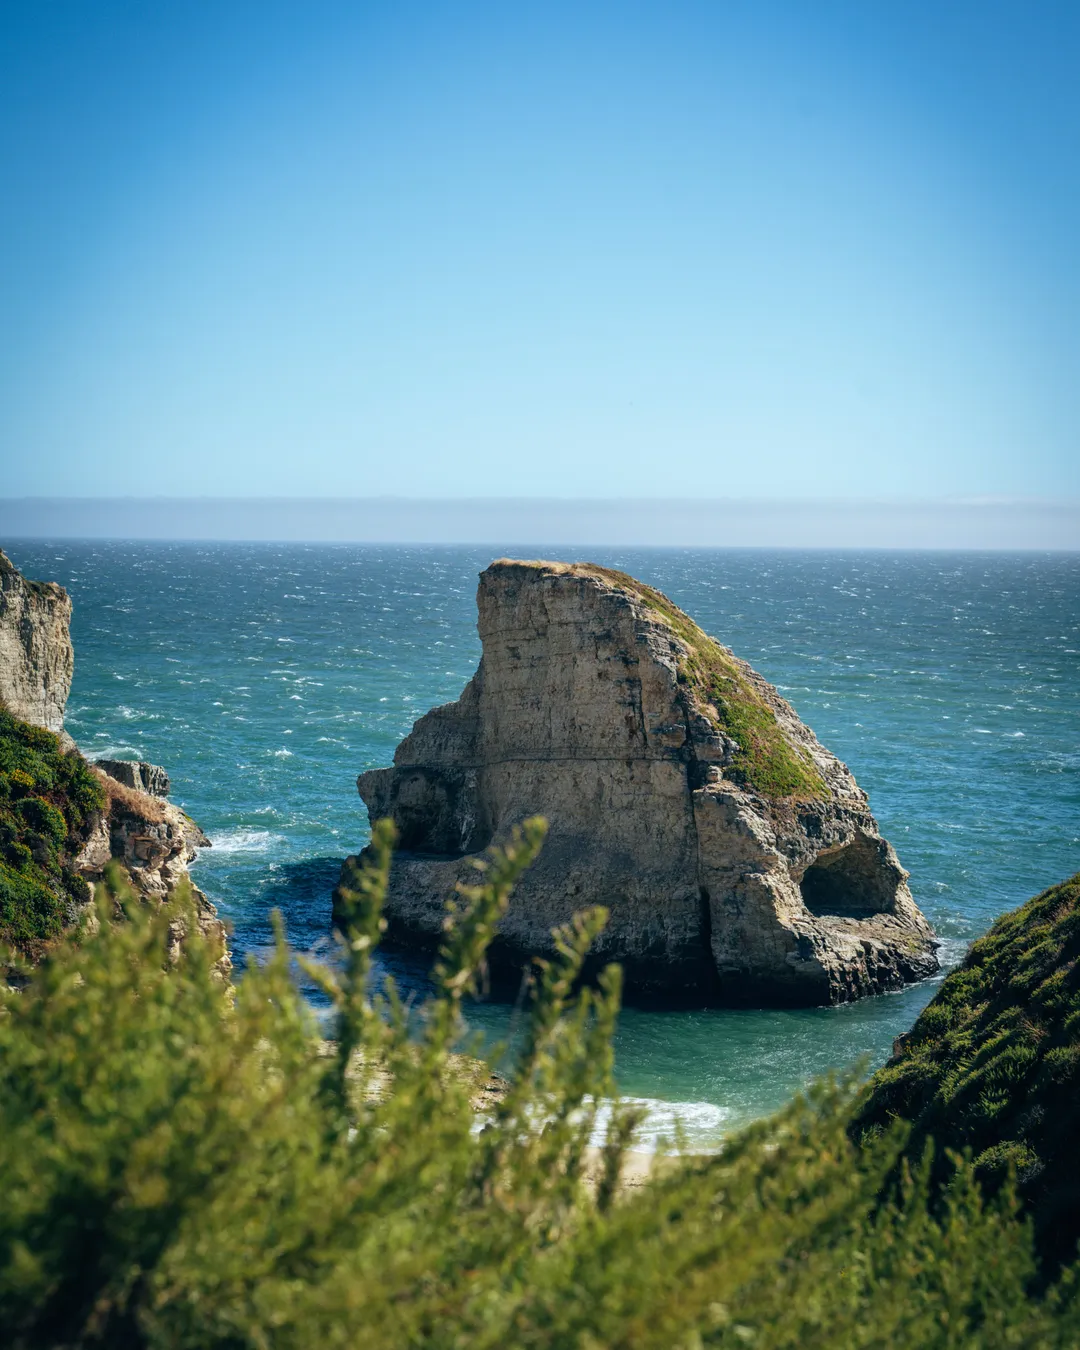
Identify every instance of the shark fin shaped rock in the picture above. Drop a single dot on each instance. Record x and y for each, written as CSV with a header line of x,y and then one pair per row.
x,y
736,855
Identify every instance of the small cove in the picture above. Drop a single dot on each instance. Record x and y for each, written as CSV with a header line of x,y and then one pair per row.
x,y
266,677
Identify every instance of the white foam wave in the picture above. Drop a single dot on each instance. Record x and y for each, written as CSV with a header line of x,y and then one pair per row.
x,y
701,1124
950,953
244,841
697,1127
110,751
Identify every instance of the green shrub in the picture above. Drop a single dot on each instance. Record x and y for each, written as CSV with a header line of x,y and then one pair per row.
x,y
31,911
76,886
181,1169
17,855
44,818
47,797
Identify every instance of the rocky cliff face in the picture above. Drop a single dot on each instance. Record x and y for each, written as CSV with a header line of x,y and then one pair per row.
x,y
121,812
36,658
737,856
136,773
154,840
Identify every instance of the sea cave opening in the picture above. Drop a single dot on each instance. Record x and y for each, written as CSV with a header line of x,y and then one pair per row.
x,y
852,882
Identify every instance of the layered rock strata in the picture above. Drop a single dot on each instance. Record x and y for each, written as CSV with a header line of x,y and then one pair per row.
x,y
138,774
737,856
36,656
152,837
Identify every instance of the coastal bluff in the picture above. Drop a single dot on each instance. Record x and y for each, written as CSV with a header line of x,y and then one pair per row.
x,y
36,657
63,820
737,856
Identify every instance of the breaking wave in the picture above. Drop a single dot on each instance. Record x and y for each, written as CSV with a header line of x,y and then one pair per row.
x,y
244,841
701,1124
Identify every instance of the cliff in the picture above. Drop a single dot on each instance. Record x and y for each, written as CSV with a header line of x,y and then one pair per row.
x,y
993,1066
36,657
62,820
737,856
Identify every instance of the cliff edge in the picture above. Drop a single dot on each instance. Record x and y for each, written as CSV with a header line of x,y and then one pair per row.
x,y
737,856
62,820
36,656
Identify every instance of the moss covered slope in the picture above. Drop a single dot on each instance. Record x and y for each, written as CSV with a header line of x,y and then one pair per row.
x,y
722,690
993,1064
46,799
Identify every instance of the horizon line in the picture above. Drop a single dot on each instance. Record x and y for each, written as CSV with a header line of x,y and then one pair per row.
x,y
981,524
652,499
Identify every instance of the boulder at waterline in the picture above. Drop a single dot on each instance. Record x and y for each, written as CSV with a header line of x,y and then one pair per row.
x,y
738,858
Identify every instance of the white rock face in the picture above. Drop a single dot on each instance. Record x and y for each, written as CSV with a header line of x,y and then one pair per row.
x,y
36,658
738,858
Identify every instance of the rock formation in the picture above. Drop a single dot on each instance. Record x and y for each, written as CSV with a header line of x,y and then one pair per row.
x,y
154,839
36,657
136,773
135,825
738,858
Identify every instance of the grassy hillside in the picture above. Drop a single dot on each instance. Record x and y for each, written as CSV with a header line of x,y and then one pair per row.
x,y
993,1066
46,798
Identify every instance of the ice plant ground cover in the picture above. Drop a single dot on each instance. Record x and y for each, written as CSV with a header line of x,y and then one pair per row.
x,y
183,1166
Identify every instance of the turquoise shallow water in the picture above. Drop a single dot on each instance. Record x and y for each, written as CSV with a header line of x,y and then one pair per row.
x,y
265,677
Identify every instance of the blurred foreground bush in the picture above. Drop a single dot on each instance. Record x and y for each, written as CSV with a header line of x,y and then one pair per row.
x,y
181,1168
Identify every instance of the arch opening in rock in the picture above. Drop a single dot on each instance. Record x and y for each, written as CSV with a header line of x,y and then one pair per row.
x,y
854,881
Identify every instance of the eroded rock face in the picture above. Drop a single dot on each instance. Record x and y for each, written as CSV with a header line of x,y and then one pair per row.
x,y
154,839
138,774
738,858
36,658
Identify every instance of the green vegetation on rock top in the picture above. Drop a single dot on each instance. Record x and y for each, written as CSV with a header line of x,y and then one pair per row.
x,y
765,761
993,1064
46,797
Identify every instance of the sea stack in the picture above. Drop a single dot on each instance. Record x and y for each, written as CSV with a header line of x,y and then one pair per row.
x,y
737,856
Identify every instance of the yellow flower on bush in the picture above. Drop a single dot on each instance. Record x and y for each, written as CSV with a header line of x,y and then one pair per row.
x,y
21,778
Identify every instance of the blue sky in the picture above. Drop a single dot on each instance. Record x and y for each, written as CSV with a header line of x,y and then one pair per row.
x,y
560,250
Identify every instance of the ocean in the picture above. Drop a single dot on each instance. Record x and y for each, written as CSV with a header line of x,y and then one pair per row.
x,y
266,677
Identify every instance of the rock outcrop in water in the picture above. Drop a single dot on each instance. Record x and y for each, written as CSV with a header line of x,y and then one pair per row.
x,y
154,839
36,657
737,856
136,773
133,824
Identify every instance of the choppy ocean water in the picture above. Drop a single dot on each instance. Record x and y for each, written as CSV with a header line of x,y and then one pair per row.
x,y
265,677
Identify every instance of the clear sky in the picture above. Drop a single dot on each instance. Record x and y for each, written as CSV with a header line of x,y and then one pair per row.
x,y
558,249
